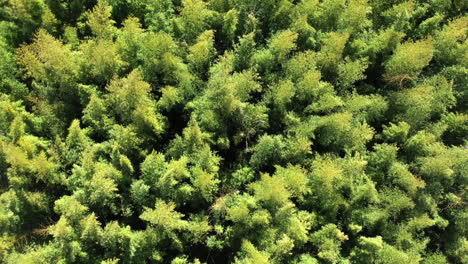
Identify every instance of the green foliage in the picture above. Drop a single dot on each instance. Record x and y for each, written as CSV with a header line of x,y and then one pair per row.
x,y
328,240
164,217
252,255
101,60
202,52
233,131
9,73
408,61
194,18
100,21
50,62
421,103
450,45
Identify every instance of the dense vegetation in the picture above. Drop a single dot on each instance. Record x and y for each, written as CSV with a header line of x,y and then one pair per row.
x,y
233,131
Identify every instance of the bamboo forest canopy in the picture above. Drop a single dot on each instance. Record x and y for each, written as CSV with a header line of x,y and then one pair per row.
x,y
233,131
